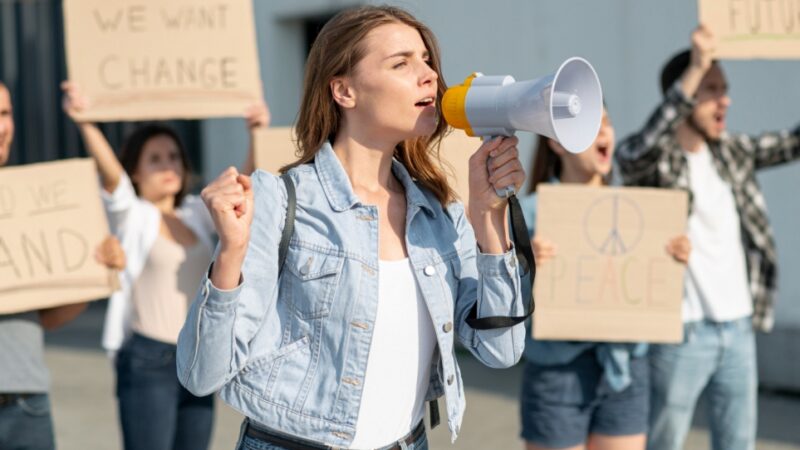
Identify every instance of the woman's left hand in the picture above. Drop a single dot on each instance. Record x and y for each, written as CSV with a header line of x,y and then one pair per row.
x,y
494,166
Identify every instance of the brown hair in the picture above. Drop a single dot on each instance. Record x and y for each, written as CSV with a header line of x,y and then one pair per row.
x,y
546,164
133,148
335,53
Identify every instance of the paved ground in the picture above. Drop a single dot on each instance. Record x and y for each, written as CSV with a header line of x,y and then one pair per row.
x,y
86,417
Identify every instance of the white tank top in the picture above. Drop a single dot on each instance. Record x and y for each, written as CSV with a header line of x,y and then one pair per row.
x,y
399,362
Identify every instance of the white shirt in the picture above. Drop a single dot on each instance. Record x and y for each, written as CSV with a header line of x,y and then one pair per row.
x,y
136,222
398,366
716,286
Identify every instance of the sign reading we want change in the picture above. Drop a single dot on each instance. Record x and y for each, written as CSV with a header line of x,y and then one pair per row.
x,y
51,222
162,59
747,29
611,279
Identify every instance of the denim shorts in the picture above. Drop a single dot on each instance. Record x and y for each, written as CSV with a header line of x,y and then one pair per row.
x,y
562,405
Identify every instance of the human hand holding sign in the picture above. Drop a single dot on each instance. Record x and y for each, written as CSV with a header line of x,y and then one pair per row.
x,y
704,47
257,116
110,254
229,199
680,248
543,249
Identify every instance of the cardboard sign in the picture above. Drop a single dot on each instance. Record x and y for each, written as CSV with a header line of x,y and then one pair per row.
x,y
457,147
275,147
51,222
611,279
156,59
747,29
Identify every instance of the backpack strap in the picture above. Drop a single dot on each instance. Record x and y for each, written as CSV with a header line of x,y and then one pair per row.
x,y
288,226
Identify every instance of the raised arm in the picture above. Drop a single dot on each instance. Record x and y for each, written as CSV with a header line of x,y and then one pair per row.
x,y
257,116
214,343
639,154
97,145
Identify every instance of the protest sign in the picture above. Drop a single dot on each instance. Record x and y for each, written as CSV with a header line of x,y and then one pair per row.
x,y
51,222
155,59
274,148
611,279
748,29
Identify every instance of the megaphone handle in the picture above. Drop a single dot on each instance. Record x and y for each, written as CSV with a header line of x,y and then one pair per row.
x,y
506,192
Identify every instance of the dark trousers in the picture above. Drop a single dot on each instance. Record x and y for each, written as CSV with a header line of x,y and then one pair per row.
x,y
156,412
25,422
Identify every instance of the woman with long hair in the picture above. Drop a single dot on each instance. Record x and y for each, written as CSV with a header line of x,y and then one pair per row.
x,y
342,343
578,395
168,238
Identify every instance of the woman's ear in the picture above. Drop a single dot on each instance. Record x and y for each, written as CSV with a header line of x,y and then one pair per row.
x,y
342,92
556,147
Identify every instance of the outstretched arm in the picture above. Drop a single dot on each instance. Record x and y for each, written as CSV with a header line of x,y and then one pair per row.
x,y
97,145
257,116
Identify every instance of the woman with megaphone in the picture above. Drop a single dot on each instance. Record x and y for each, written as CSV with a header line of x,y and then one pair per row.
x,y
330,314
579,395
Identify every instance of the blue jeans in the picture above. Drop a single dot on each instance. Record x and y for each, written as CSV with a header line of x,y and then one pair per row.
x,y
717,359
26,424
251,443
156,412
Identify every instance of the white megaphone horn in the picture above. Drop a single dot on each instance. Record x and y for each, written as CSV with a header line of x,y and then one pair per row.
x,y
566,106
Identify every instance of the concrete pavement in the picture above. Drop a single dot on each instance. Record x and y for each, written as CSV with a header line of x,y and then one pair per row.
x,y
85,414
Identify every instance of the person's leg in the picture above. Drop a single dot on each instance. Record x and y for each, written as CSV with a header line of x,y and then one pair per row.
x,y
556,403
629,442
147,396
532,446
26,424
195,421
678,375
732,391
620,420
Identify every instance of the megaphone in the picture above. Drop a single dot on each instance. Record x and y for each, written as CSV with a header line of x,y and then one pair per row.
x,y
566,106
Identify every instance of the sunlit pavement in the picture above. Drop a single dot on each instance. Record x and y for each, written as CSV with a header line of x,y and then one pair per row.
x,y
85,413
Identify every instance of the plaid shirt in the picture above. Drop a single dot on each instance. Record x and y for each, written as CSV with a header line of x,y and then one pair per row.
x,y
653,157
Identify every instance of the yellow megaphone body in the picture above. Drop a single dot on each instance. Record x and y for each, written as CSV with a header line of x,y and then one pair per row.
x,y
566,106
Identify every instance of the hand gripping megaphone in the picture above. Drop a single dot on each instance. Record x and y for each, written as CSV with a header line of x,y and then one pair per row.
x,y
566,106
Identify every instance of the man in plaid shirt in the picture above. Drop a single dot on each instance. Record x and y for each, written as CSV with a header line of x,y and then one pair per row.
x,y
731,277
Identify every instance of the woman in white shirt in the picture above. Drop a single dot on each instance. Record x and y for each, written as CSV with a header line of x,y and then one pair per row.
x,y
168,237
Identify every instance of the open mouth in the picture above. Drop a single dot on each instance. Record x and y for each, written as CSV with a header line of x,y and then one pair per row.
x,y
604,151
425,102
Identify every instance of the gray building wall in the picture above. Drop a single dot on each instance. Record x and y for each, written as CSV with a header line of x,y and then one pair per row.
x,y
627,41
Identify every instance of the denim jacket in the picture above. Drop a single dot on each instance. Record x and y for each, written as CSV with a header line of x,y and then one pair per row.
x,y
289,350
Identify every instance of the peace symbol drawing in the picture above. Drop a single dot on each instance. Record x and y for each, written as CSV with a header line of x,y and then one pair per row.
x,y
613,225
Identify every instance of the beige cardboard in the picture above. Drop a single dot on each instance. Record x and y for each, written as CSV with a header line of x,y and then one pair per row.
x,y
611,279
162,59
749,29
51,222
274,148
455,152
